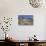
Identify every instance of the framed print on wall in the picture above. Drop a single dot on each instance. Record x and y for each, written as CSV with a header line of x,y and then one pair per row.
x,y
25,19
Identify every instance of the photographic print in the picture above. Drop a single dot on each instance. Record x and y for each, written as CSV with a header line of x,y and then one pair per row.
x,y
25,19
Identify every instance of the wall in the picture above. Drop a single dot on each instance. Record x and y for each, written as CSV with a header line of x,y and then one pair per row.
x,y
13,8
